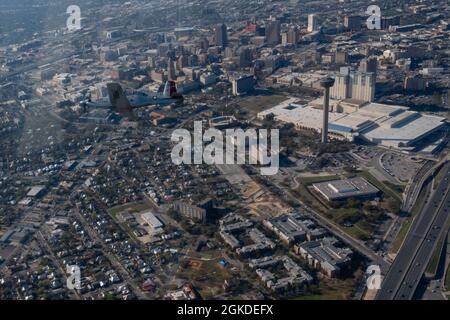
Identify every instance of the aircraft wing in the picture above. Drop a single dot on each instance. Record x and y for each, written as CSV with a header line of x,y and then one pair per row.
x,y
118,99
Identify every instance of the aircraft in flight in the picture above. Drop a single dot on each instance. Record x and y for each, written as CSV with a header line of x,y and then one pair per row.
x,y
123,103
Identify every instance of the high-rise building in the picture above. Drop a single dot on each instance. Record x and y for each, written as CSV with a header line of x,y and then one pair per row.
x,y
387,22
292,36
193,60
362,86
171,70
198,213
341,57
221,36
204,44
229,52
244,57
369,65
164,49
284,39
182,62
289,37
341,85
352,23
243,85
416,83
273,30
447,99
355,85
313,23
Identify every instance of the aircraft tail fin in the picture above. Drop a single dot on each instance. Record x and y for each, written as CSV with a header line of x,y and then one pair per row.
x,y
170,89
118,98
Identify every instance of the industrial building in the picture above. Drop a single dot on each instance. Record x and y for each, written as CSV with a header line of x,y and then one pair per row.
x,y
345,189
36,191
17,235
153,222
389,126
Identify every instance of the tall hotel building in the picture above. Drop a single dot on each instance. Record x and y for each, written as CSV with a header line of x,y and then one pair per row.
x,y
313,23
355,85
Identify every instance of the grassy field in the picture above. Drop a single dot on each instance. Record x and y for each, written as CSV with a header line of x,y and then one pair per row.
x,y
307,181
398,188
401,235
439,176
327,295
255,104
434,261
331,289
135,207
447,279
380,185
407,224
437,253
359,229
357,232
208,276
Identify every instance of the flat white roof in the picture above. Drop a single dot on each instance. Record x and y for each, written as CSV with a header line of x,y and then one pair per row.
x,y
299,115
34,191
354,121
403,135
400,119
381,110
341,189
388,125
152,220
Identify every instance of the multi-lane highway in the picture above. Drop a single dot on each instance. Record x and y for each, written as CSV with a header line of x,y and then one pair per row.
x,y
413,189
406,272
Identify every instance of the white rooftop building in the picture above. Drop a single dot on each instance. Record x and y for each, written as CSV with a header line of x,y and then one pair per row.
x,y
386,125
302,116
153,222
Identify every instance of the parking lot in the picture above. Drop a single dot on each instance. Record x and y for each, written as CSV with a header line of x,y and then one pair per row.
x,y
402,167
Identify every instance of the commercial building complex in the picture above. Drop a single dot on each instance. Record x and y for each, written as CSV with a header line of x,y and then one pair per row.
x,y
325,255
294,278
389,126
239,233
294,228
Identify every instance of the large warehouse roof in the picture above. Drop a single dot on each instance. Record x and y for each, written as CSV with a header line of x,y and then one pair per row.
x,y
388,125
299,115
406,133
343,189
